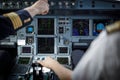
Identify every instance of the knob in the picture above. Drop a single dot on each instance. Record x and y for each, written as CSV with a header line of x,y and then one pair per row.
x,y
66,3
73,4
52,3
60,3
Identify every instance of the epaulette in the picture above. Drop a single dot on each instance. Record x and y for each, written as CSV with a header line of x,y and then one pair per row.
x,y
113,27
15,19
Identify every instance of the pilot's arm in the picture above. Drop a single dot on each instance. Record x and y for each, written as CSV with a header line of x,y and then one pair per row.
x,y
102,59
12,21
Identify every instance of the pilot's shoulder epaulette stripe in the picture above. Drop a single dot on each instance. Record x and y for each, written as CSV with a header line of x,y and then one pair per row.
x,y
113,27
15,19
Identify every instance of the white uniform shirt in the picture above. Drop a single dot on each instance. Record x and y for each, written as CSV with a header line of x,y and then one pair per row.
x,y
102,59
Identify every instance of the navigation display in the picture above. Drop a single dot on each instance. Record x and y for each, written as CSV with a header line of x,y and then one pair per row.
x,y
80,27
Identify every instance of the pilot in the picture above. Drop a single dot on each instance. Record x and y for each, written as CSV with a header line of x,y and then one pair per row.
x,y
10,22
100,62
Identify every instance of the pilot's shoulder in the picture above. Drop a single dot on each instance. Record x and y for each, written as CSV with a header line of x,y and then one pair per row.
x,y
115,27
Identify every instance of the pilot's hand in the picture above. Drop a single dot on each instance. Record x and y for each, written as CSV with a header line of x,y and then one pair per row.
x,y
48,62
62,72
39,7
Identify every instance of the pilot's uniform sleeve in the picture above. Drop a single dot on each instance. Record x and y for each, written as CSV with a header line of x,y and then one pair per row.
x,y
12,21
102,60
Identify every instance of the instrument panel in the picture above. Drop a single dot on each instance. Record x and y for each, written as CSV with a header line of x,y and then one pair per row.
x,y
58,35
70,25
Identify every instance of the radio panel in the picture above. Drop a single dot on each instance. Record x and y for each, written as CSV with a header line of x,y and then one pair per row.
x,y
24,60
65,60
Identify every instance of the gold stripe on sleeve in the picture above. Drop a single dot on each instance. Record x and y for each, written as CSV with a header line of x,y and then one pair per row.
x,y
14,17
113,27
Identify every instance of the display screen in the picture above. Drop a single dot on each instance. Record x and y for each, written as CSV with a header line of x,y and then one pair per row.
x,y
29,29
63,60
26,49
46,26
80,27
99,25
63,49
46,45
24,60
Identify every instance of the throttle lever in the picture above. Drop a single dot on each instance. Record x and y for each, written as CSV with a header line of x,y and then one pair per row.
x,y
37,71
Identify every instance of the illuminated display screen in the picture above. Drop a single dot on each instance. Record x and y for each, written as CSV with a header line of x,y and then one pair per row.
x,y
46,26
29,29
26,49
24,60
63,49
46,45
99,25
63,60
80,27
